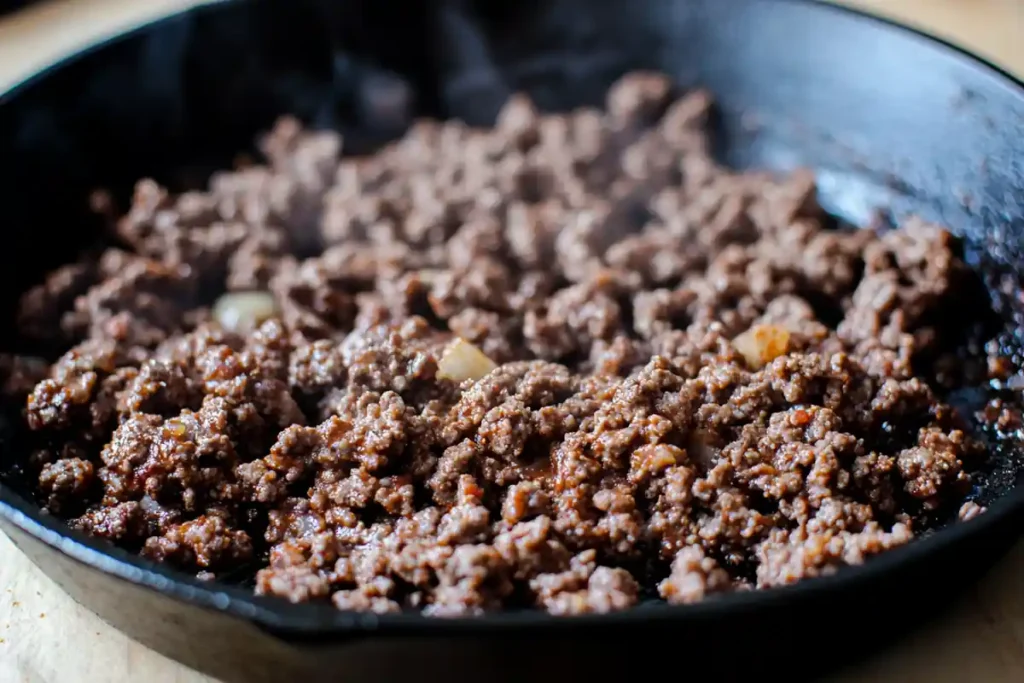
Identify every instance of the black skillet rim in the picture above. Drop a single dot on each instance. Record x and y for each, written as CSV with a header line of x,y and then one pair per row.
x,y
323,621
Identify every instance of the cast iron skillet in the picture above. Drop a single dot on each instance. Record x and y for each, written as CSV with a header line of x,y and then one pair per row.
x,y
891,120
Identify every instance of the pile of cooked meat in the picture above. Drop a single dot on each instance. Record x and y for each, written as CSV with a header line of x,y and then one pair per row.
x,y
569,363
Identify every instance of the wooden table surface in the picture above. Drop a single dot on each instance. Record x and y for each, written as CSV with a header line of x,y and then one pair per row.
x,y
46,638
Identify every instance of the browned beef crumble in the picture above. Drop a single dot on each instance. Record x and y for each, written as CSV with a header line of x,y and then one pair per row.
x,y
676,378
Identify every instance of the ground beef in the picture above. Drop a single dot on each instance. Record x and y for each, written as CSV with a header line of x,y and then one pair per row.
x,y
565,363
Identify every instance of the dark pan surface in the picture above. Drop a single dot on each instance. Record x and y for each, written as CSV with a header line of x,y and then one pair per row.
x,y
890,119
11,5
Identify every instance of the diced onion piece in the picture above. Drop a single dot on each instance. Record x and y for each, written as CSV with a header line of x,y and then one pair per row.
x,y
762,344
176,427
431,276
242,311
462,361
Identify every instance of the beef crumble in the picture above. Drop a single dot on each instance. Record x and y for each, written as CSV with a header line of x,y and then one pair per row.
x,y
563,363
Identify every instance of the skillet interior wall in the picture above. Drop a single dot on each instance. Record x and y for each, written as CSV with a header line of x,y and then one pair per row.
x,y
886,128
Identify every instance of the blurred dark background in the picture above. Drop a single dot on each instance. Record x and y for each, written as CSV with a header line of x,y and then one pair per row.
x,y
11,5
